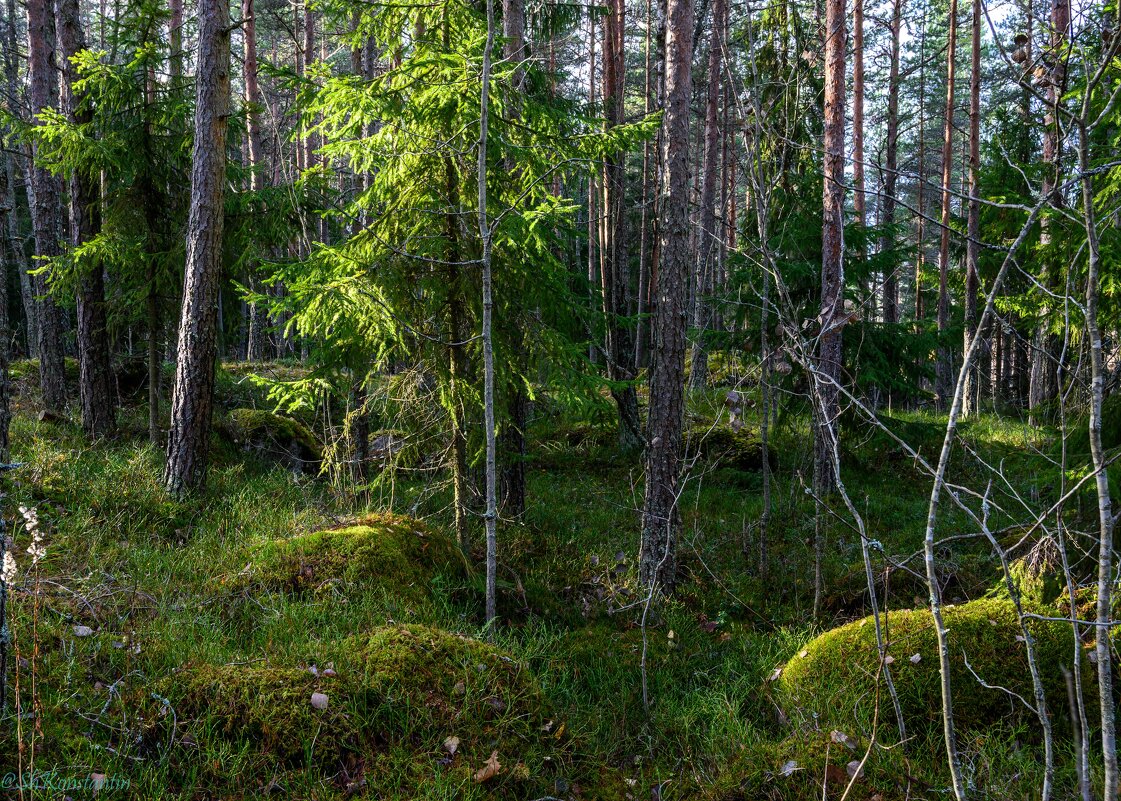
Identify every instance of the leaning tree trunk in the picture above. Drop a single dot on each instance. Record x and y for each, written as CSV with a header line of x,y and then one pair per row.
x,y
95,384
193,392
943,382
660,514
614,255
710,236
46,210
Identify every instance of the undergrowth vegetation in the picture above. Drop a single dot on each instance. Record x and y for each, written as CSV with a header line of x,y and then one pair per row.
x,y
273,640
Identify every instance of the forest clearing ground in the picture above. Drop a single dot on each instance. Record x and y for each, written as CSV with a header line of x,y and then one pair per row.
x,y
161,646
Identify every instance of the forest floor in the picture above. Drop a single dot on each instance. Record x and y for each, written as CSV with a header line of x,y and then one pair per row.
x,y
220,648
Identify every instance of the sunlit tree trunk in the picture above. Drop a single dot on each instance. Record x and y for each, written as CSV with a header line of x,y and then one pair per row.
x,y
258,318
827,410
920,200
708,235
973,223
891,166
660,514
1045,351
943,383
485,234
193,392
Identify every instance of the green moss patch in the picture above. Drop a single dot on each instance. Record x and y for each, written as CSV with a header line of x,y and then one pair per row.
x,y
721,446
835,677
271,707
410,704
397,554
274,437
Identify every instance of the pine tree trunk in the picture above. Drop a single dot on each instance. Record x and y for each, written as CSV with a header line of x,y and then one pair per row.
x,y
660,515
943,384
859,200
644,224
193,392
258,320
9,264
10,224
175,37
11,168
46,210
152,210
513,439
457,365
614,255
708,233
973,223
95,373
891,167
1044,384
920,200
827,409
485,233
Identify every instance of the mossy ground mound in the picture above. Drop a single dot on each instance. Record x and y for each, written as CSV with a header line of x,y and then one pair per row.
x,y
396,554
807,765
410,704
835,677
723,447
273,436
272,707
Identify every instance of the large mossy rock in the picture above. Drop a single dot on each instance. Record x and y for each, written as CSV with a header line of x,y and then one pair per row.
x,y
274,437
398,555
411,704
723,447
835,676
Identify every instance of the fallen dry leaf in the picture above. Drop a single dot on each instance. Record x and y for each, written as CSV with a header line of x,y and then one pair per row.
x,y
491,768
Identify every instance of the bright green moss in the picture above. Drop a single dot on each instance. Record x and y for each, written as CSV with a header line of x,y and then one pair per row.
x,y
397,554
835,677
274,435
423,685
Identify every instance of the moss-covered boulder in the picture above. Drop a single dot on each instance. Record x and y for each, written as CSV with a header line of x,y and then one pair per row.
x,y
399,555
724,447
274,437
835,676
